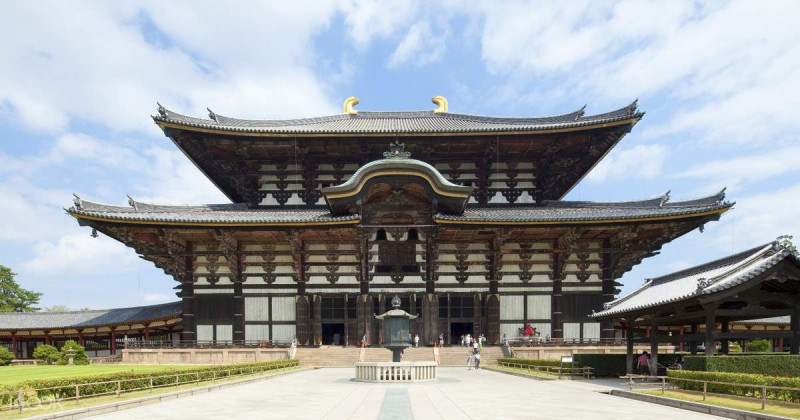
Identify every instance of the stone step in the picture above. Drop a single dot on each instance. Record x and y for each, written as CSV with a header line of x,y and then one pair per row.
x,y
348,356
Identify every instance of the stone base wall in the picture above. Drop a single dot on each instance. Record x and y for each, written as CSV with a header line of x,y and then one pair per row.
x,y
201,356
555,353
395,371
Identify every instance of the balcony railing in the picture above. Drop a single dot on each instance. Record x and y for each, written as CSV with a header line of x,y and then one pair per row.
x,y
557,342
208,344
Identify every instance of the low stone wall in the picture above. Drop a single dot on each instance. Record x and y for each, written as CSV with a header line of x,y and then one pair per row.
x,y
555,352
395,371
201,356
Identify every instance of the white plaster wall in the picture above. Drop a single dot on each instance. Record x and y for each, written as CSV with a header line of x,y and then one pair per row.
x,y
283,332
539,307
591,330
511,307
572,330
283,308
256,332
256,309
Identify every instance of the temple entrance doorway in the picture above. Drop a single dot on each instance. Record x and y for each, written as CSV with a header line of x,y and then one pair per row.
x,y
333,334
457,329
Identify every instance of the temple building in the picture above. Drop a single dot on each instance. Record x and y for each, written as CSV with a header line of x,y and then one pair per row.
x,y
462,216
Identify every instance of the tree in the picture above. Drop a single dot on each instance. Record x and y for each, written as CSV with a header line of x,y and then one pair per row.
x,y
46,354
14,298
5,356
79,354
57,308
758,346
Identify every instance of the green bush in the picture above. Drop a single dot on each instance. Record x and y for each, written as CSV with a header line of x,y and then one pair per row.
x,y
79,353
734,347
769,364
759,346
5,356
103,384
614,365
737,378
46,354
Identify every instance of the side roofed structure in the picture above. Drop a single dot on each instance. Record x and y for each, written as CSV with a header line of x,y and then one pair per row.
x,y
758,285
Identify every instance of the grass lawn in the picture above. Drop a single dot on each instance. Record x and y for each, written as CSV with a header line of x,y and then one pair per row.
x,y
45,409
10,375
779,408
526,372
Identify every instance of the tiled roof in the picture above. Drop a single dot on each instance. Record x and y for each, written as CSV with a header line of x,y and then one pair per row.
x,y
549,211
84,319
704,279
568,211
207,213
778,320
369,122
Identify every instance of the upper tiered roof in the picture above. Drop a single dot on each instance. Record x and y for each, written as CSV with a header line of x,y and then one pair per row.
x,y
403,122
85,319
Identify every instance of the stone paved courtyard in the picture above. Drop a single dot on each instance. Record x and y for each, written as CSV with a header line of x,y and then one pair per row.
x,y
457,394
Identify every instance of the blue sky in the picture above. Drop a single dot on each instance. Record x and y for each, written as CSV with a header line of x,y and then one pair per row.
x,y
720,82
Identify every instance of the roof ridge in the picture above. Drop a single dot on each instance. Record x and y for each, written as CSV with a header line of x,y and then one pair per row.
x,y
43,313
719,262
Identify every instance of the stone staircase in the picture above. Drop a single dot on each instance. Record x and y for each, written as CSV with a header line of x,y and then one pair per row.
x,y
336,356
457,356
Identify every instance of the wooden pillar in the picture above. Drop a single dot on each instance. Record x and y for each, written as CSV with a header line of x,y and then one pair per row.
x,y
493,318
47,338
794,324
557,327
14,349
780,340
680,333
693,344
430,319
346,337
113,342
724,342
188,325
629,357
710,326
477,328
316,318
80,338
146,332
654,349
609,287
302,319
238,300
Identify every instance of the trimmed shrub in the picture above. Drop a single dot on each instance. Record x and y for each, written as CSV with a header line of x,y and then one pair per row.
x,y
79,353
5,356
46,354
104,384
772,364
611,365
737,378
759,346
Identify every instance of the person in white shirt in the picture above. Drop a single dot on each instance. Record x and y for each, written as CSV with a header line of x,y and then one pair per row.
x,y
475,347
416,340
477,361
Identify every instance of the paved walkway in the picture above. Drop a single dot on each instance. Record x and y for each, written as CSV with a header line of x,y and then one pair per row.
x,y
457,394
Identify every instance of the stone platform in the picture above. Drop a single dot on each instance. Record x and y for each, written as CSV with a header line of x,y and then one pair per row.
x,y
395,371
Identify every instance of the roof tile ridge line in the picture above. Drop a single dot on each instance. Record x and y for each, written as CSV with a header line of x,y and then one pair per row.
x,y
708,265
79,203
42,313
288,122
747,266
627,111
648,283
165,114
662,197
720,194
505,119
134,203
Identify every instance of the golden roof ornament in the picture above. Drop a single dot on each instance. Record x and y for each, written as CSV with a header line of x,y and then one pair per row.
x,y
397,150
441,103
349,105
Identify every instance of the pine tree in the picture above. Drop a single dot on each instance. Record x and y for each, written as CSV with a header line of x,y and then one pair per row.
x,y
14,298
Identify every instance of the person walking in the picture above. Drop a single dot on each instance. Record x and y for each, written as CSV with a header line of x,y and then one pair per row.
x,y
475,347
463,340
441,340
644,364
469,361
416,340
477,361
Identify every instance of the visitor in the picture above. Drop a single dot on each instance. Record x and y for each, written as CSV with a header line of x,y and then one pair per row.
x,y
678,365
416,340
441,340
644,364
463,343
475,347
364,341
410,339
477,361
469,361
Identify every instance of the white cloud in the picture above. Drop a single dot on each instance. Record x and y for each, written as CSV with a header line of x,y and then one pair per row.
x,y
155,298
745,170
419,47
369,19
641,161
78,254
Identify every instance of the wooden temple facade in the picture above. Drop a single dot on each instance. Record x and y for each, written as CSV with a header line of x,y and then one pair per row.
x,y
462,216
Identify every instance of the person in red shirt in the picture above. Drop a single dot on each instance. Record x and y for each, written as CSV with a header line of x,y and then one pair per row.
x,y
644,364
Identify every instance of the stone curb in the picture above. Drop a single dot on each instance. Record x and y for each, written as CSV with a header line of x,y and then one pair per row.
x,y
124,405
714,410
521,375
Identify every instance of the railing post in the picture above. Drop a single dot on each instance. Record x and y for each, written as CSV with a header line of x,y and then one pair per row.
x,y
19,400
151,384
214,378
705,389
663,385
197,374
77,394
176,380
119,387
763,397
